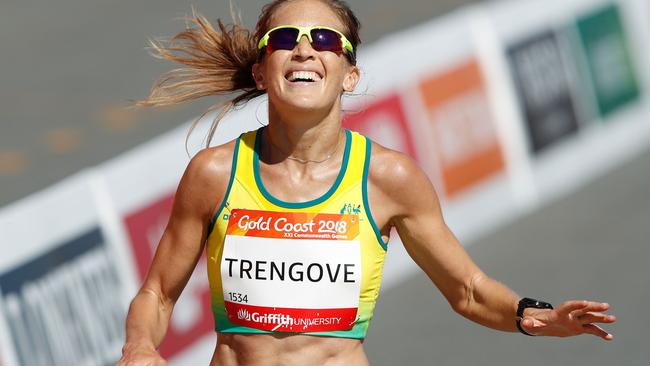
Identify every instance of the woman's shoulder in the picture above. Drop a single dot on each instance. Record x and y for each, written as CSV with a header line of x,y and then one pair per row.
x,y
391,167
396,175
214,159
204,182
208,171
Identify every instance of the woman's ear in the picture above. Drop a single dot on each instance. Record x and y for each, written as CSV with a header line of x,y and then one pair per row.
x,y
351,79
258,77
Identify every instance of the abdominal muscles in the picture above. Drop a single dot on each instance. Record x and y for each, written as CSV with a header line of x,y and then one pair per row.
x,y
281,349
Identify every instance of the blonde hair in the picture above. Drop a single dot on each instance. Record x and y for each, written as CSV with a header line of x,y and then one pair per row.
x,y
219,61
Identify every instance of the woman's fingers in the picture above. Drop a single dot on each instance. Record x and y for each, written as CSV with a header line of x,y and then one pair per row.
x,y
597,331
570,318
580,307
571,306
594,307
596,318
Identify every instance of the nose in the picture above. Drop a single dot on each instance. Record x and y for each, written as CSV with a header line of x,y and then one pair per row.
x,y
303,49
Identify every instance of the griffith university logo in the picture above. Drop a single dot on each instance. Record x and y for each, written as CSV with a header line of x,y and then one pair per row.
x,y
243,314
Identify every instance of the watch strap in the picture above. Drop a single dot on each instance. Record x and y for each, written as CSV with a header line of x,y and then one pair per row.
x,y
525,303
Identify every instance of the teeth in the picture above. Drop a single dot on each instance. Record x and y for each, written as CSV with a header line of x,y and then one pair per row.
x,y
304,75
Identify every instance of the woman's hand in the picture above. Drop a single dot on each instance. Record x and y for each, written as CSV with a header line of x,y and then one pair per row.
x,y
569,319
140,355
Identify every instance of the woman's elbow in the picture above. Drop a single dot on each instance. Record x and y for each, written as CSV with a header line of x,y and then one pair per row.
x,y
463,300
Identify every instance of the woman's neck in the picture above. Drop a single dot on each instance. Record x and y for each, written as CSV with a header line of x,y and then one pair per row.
x,y
304,137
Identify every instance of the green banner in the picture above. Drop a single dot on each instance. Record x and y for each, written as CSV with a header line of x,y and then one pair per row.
x,y
608,59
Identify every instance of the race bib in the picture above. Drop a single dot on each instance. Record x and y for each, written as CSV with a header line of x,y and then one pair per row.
x,y
291,272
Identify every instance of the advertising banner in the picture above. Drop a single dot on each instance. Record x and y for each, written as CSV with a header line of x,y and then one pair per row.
x,y
192,317
63,306
609,62
61,290
384,121
464,135
541,81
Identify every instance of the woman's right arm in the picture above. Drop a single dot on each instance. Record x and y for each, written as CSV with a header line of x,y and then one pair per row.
x,y
199,192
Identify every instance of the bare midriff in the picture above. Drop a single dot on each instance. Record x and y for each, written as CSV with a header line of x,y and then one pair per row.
x,y
276,349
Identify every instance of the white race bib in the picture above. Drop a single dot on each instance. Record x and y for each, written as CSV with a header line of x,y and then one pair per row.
x,y
291,272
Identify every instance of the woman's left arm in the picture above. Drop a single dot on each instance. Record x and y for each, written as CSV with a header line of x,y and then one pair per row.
x,y
414,210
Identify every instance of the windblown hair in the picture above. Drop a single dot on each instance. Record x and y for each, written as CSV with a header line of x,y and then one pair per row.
x,y
219,60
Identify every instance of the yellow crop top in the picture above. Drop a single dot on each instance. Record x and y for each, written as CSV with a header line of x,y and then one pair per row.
x,y
285,267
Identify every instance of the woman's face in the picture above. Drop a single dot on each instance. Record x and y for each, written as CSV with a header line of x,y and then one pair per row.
x,y
331,72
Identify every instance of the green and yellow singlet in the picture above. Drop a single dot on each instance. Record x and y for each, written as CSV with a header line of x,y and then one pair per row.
x,y
283,267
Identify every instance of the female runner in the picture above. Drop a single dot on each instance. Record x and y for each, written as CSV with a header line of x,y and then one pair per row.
x,y
295,217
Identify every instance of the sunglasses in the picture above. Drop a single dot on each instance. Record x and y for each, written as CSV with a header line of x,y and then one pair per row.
x,y
321,38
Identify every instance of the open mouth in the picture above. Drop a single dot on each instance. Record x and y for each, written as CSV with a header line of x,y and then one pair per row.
x,y
303,76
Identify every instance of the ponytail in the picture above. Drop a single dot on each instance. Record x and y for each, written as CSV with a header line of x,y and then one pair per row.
x,y
217,62
220,61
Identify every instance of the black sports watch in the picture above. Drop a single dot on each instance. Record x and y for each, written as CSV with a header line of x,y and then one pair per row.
x,y
527,302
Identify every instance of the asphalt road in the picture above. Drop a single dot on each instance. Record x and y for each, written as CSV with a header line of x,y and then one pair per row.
x,y
68,68
593,244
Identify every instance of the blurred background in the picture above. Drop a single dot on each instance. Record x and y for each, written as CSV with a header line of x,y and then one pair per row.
x,y
532,118
69,69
